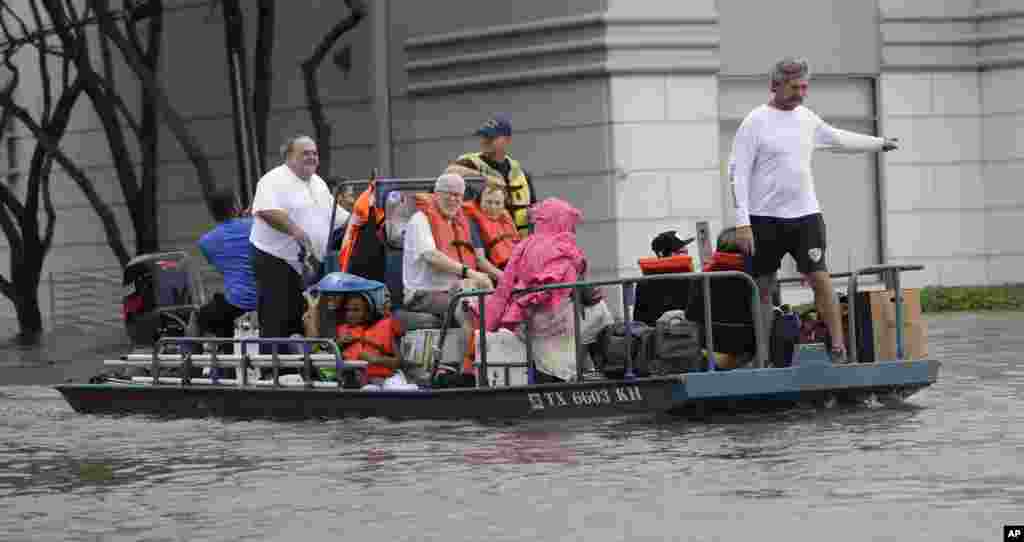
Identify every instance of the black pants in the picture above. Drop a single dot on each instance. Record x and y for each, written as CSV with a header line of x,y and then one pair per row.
x,y
280,300
218,317
802,238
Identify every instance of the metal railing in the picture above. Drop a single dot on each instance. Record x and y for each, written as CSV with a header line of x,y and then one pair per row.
x,y
890,273
91,298
307,360
761,354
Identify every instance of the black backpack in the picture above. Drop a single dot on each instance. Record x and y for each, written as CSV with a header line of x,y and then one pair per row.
x,y
676,345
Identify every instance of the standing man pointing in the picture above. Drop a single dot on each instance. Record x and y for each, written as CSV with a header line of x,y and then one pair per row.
x,y
777,210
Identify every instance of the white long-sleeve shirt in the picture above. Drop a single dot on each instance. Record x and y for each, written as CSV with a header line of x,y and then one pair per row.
x,y
770,165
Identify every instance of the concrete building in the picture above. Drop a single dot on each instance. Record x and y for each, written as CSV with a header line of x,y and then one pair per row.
x,y
627,109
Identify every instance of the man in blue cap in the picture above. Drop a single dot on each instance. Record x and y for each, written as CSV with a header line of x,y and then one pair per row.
x,y
494,162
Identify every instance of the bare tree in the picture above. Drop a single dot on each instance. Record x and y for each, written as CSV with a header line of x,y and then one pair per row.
x,y
20,219
120,125
310,67
67,57
154,88
234,16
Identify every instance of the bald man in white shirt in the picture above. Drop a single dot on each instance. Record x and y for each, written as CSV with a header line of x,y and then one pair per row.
x,y
777,210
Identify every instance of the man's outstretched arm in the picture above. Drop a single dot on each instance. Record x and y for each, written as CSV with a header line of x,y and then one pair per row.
x,y
830,138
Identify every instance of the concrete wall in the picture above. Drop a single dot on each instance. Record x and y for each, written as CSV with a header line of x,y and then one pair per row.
x,y
612,105
617,107
950,86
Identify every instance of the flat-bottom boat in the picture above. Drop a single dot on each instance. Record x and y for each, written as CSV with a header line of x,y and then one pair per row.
x,y
814,382
811,377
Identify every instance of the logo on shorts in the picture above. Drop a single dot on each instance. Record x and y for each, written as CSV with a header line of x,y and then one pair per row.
x,y
815,254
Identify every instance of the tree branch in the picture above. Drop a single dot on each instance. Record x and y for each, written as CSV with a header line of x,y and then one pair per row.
x,y
42,161
321,128
102,105
175,123
6,288
148,239
7,224
99,206
51,213
44,68
263,78
358,9
107,56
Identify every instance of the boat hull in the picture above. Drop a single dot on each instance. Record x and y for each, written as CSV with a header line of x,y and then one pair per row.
x,y
739,390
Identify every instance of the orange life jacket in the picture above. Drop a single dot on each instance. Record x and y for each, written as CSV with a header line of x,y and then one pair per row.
x,y
377,339
450,235
498,235
360,215
725,261
680,263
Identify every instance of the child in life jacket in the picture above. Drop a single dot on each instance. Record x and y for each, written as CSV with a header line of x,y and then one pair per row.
x,y
365,333
493,225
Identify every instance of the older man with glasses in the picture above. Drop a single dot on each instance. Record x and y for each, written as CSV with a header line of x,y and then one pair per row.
x,y
438,256
438,251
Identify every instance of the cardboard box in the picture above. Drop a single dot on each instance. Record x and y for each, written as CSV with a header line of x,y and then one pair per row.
x,y
915,330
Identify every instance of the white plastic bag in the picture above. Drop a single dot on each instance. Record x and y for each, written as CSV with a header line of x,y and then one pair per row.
x,y
595,318
504,347
397,381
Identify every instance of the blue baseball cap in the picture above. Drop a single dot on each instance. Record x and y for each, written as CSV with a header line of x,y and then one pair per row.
x,y
498,125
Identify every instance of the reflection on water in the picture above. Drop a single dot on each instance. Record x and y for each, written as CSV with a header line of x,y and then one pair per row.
x,y
944,465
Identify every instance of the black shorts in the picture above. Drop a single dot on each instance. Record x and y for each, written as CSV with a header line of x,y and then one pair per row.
x,y
802,238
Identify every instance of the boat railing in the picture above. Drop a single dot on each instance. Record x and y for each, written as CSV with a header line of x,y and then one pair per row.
x,y
761,355
186,360
889,273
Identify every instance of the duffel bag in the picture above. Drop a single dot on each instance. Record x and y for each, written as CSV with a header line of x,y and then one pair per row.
x,y
676,344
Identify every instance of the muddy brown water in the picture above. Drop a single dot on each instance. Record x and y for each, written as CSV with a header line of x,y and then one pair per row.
x,y
948,464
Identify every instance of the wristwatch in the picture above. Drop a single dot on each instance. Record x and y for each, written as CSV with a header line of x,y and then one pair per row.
x,y
465,271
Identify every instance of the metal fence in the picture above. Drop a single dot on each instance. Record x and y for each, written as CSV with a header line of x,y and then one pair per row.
x,y
87,298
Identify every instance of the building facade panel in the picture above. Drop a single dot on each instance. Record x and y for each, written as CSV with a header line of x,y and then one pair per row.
x,y
626,109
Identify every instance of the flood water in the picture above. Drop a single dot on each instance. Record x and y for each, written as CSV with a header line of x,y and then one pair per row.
x,y
946,465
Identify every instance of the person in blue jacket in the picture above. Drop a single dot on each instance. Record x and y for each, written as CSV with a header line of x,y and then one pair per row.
x,y
226,247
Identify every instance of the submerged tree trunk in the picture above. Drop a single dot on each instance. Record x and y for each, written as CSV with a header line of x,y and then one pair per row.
x,y
26,307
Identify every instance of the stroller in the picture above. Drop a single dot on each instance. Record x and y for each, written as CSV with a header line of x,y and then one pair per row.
x,y
162,296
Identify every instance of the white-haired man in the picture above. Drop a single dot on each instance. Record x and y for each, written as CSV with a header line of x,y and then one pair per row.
x,y
438,257
438,252
777,210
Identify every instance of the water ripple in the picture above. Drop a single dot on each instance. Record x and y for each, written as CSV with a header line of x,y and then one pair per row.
x,y
944,465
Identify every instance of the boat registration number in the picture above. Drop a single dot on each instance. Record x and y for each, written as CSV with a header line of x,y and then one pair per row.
x,y
584,398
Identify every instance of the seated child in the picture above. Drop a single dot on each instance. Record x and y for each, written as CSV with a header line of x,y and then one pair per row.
x,y
366,333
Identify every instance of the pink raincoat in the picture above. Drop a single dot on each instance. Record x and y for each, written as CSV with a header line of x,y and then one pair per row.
x,y
549,255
